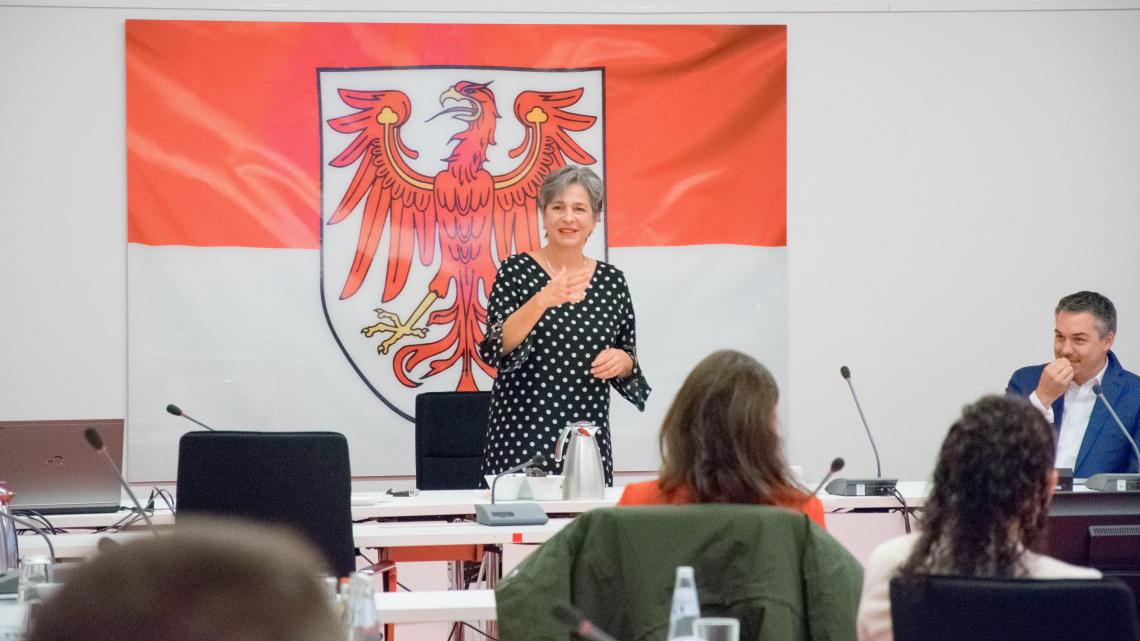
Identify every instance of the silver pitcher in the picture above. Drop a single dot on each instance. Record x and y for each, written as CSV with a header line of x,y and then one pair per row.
x,y
9,556
583,475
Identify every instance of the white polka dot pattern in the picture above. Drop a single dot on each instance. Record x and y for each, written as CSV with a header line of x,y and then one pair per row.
x,y
545,382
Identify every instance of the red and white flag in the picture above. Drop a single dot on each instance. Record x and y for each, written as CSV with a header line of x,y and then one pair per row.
x,y
316,211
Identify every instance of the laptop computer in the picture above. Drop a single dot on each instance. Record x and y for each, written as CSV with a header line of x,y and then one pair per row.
x,y
52,469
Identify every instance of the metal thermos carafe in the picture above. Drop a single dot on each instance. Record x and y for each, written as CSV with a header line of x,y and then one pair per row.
x,y
9,556
583,476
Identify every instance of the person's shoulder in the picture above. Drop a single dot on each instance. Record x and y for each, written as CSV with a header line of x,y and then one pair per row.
x,y
637,493
521,258
612,276
892,553
643,493
609,269
813,507
1040,566
1027,376
516,263
1029,370
808,500
1131,379
801,501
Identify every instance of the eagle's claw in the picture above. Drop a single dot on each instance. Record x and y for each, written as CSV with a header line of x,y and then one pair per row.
x,y
391,323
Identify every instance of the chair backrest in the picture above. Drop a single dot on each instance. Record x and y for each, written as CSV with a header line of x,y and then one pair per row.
x,y
951,607
781,575
451,428
298,479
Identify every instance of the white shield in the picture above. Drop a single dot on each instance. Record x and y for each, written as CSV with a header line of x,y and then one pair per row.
x,y
431,138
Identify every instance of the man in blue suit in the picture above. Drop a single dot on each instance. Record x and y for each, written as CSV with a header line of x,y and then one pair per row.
x,y
1088,439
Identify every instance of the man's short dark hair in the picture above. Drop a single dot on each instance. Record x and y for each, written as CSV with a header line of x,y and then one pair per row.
x,y
1100,307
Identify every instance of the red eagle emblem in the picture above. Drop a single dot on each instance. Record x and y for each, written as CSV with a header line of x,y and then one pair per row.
x,y
470,210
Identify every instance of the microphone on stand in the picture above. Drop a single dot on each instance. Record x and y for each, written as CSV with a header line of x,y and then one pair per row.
x,y
537,459
96,442
877,486
515,513
1115,482
579,624
177,411
836,464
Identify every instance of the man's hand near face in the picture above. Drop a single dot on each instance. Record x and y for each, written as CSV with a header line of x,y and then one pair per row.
x,y
1055,379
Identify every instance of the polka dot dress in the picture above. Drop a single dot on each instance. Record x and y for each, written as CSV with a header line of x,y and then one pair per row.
x,y
545,382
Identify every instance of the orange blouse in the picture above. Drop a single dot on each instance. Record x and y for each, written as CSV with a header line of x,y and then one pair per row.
x,y
650,493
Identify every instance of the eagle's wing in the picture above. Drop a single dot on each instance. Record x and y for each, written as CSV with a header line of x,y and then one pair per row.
x,y
545,148
387,185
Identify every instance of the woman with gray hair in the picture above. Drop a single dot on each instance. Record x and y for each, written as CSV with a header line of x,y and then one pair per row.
x,y
560,330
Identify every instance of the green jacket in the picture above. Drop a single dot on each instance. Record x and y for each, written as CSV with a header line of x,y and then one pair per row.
x,y
781,575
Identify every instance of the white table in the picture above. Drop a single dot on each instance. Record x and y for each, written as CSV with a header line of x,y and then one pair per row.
x,y
417,533
433,606
444,503
366,535
161,516
371,505
75,545
859,522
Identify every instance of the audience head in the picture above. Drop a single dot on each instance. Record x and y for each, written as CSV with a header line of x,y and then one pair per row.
x,y
212,581
719,437
992,486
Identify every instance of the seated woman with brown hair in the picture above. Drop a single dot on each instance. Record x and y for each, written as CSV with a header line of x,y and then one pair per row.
x,y
719,442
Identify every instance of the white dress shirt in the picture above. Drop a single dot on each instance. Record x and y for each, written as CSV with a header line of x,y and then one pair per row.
x,y
1079,404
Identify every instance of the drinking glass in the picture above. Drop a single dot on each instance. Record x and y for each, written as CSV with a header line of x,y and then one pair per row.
x,y
716,629
34,570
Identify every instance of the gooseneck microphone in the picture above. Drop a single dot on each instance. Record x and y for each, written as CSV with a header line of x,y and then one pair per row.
x,y
845,372
579,624
514,513
177,411
96,442
836,464
537,459
877,486
1115,482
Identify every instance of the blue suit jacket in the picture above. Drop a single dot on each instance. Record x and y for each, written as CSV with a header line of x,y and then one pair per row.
x,y
1104,448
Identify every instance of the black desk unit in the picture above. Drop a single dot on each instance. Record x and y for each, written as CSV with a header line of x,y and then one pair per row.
x,y
1097,529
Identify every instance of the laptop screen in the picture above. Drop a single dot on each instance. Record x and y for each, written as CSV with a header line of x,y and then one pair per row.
x,y
50,467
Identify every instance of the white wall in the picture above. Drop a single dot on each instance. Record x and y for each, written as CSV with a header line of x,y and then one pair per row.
x,y
951,174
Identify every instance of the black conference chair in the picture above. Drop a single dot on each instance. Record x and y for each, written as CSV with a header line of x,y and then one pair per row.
x,y
451,428
955,608
298,479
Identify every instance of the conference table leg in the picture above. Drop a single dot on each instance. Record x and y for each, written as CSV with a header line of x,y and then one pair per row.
x,y
458,558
